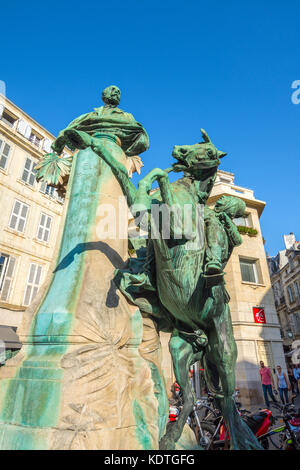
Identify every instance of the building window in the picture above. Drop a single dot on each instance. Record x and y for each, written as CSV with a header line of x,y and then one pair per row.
x,y
44,228
7,268
33,282
291,294
249,270
29,172
297,292
8,118
296,322
51,192
48,190
34,139
243,221
4,154
18,216
3,266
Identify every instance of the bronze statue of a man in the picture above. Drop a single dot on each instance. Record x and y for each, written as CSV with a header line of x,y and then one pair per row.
x,y
111,120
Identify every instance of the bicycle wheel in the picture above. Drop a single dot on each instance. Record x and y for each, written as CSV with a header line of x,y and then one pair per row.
x,y
276,442
208,431
208,413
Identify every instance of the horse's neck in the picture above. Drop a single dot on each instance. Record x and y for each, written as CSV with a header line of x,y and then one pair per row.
x,y
204,184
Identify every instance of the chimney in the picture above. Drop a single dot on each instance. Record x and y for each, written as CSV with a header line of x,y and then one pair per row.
x,y
289,240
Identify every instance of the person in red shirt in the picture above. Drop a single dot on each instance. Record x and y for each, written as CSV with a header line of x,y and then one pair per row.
x,y
267,383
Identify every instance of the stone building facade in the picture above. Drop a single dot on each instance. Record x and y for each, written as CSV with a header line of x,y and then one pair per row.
x,y
285,278
29,218
251,297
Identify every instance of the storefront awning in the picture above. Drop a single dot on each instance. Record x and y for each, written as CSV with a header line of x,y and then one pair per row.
x,y
10,338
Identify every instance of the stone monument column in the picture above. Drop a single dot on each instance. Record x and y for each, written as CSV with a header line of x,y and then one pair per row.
x,y
80,381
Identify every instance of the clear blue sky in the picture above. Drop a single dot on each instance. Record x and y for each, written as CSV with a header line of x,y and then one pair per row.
x,y
226,66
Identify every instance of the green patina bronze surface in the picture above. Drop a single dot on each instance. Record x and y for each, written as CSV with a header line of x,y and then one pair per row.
x,y
108,119
32,399
178,281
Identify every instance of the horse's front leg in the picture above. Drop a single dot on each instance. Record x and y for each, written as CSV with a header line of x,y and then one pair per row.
x,y
182,357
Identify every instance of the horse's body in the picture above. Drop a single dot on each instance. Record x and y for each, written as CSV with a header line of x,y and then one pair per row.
x,y
179,268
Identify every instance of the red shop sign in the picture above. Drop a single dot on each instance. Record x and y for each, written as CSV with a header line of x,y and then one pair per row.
x,y
259,315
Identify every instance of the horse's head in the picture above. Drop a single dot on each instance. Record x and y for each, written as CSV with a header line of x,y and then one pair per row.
x,y
201,156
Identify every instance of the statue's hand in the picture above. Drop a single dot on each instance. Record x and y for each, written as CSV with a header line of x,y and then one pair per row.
x,y
78,139
144,187
155,174
58,144
227,219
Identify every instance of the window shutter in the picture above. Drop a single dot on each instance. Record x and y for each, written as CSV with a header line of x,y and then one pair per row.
x,y
27,132
43,187
38,275
18,216
32,178
27,295
6,150
33,282
28,175
21,126
44,228
14,216
5,155
8,278
47,145
1,110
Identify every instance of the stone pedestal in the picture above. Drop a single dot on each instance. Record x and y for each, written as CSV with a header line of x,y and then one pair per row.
x,y
85,377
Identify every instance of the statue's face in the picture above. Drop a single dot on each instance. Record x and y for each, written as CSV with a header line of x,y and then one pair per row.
x,y
115,95
191,158
111,95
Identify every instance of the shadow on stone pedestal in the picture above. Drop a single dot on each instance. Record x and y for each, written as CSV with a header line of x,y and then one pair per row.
x,y
85,378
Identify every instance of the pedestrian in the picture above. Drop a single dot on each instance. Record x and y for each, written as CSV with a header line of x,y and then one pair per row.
x,y
296,373
283,385
267,383
292,380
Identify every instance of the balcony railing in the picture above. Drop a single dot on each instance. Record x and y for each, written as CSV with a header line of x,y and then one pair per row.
x,y
35,140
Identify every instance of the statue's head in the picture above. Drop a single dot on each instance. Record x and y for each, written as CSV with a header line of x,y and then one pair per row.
x,y
111,95
193,159
231,205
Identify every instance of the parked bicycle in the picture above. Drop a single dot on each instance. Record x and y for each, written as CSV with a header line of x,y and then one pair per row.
x,y
288,431
213,422
203,429
262,423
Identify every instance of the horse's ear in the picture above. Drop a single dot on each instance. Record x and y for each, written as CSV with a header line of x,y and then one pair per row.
x,y
205,136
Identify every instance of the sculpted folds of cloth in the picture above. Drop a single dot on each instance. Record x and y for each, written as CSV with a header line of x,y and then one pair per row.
x,y
111,120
